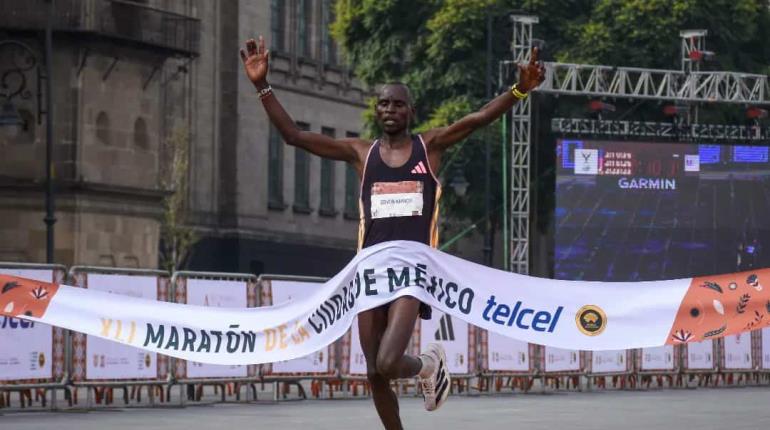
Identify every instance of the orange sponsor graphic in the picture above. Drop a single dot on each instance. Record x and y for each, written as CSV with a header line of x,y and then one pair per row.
x,y
21,297
722,305
397,187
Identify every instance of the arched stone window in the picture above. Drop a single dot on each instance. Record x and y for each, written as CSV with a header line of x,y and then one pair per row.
x,y
141,138
26,132
103,128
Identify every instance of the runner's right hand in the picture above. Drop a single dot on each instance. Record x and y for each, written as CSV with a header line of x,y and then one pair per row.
x,y
255,61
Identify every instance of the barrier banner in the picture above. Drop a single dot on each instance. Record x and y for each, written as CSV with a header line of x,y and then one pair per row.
x,y
111,360
560,360
506,354
576,315
610,361
26,347
657,358
220,294
453,334
357,359
737,352
317,362
700,356
765,348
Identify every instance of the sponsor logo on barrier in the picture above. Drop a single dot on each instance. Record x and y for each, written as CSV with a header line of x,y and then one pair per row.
x,y
446,331
16,323
591,320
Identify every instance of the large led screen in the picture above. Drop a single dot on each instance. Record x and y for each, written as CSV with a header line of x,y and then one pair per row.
x,y
632,211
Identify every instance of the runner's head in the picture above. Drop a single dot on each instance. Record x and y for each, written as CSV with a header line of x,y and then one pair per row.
x,y
394,110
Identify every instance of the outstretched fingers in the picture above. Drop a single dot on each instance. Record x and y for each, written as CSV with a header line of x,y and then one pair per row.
x,y
261,49
251,46
534,56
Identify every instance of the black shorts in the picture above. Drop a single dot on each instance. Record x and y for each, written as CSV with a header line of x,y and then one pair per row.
x,y
425,311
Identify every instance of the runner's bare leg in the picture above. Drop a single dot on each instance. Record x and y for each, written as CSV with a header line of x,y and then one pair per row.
x,y
385,333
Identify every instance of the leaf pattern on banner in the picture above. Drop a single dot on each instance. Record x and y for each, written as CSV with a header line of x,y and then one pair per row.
x,y
758,317
25,297
743,302
713,286
681,336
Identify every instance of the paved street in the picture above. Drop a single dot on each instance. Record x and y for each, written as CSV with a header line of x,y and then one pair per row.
x,y
701,409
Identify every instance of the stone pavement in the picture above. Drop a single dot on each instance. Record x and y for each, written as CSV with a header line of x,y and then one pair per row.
x,y
701,409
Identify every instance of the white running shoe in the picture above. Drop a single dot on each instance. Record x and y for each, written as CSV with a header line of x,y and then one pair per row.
x,y
436,386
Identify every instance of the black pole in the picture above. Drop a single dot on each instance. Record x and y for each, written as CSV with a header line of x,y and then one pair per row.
x,y
488,154
50,220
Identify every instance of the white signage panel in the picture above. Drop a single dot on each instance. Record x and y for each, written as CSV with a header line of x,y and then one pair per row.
x,y
26,348
318,361
452,333
112,360
506,354
561,360
217,294
658,358
700,355
738,351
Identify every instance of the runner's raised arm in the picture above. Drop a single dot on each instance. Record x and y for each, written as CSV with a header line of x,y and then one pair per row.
x,y
530,76
255,60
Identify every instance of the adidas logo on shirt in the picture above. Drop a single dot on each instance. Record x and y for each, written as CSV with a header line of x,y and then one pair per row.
x,y
419,169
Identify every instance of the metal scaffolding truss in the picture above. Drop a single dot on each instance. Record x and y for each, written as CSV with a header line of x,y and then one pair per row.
x,y
702,133
689,86
520,159
653,84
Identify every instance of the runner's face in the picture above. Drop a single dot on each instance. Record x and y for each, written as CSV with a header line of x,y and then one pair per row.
x,y
393,109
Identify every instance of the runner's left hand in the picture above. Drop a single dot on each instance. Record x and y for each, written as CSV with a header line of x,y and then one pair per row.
x,y
532,74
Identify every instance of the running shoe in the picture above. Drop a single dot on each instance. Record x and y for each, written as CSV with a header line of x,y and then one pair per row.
x,y
435,387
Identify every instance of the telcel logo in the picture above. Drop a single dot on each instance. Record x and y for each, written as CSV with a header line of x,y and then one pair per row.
x,y
524,318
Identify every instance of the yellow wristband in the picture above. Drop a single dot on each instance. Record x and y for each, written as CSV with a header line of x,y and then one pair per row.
x,y
517,93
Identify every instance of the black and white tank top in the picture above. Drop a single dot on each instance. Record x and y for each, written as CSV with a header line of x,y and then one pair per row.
x,y
399,203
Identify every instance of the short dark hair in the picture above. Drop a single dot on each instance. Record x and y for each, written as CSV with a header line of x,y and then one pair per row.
x,y
410,100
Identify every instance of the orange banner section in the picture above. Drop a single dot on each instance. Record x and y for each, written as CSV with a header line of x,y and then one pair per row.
x,y
20,296
721,305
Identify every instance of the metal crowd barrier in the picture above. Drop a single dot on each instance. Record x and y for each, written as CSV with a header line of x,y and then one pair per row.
x,y
459,341
738,359
66,361
320,367
658,364
101,365
699,360
561,367
763,355
36,362
216,290
617,366
505,362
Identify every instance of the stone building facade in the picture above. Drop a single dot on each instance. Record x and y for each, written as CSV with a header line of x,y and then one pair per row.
x,y
258,205
127,76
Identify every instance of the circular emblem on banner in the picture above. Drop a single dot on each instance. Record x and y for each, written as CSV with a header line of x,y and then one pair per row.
x,y
41,360
591,320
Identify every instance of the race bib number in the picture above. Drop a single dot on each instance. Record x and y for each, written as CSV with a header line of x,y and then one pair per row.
x,y
394,199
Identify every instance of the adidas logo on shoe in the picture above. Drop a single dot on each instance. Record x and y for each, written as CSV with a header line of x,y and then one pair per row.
x,y
436,386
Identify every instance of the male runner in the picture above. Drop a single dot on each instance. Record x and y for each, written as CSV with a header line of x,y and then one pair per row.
x,y
403,164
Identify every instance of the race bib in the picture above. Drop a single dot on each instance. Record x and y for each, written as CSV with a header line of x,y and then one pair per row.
x,y
394,199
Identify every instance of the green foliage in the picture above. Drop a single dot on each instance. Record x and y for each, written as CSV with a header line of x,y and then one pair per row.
x,y
177,238
645,33
437,47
